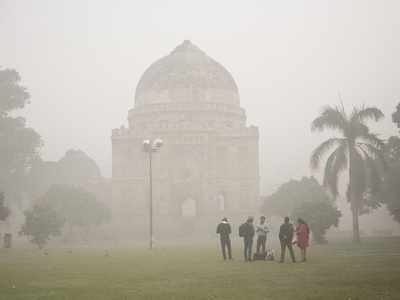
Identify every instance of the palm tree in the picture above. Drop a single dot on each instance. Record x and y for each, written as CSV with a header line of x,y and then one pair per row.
x,y
357,151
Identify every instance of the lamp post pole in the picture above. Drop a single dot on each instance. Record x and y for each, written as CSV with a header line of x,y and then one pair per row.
x,y
150,147
151,198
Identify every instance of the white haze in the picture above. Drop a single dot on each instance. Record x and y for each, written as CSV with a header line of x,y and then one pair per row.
x,y
81,61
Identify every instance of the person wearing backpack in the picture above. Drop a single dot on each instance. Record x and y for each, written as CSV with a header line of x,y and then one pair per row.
x,y
246,231
224,230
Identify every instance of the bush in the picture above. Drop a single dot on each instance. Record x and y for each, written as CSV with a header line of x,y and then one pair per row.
x,y
320,217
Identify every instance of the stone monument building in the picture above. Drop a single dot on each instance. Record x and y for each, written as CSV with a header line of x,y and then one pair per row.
x,y
208,166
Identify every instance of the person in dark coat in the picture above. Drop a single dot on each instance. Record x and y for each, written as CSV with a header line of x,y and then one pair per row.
x,y
246,231
224,230
286,233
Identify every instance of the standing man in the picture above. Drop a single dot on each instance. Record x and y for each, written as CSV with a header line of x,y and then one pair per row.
x,y
246,231
224,230
261,231
286,232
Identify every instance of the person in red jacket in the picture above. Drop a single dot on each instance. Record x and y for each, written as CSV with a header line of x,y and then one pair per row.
x,y
303,236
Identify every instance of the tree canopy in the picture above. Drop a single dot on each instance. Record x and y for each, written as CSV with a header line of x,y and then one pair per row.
x,y
77,206
75,168
41,223
19,144
391,187
12,95
291,194
307,199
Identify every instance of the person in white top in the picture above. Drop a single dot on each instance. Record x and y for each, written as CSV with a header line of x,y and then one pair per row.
x,y
262,231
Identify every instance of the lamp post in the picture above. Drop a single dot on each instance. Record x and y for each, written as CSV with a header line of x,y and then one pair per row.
x,y
151,146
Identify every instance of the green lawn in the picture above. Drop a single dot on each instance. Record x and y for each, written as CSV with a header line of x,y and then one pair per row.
x,y
335,271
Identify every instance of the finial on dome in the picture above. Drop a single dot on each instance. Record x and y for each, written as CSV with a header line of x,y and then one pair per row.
x,y
186,45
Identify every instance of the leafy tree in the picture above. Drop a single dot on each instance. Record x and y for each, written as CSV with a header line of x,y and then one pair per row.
x,y
75,168
41,223
391,194
18,144
4,210
358,151
304,198
320,216
291,194
12,95
391,191
392,150
77,206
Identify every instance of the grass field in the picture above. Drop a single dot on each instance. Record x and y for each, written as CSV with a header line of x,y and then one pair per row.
x,y
336,271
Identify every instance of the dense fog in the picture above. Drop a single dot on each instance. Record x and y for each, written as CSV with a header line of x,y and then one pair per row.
x,y
81,62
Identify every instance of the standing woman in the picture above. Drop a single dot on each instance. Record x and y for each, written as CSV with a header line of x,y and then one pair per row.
x,y
303,237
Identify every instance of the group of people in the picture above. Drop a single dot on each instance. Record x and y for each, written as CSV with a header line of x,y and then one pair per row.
x,y
248,230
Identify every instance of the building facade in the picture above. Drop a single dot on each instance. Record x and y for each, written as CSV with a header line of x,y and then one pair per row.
x,y
208,166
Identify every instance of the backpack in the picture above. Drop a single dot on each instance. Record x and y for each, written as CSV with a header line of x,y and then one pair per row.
x,y
242,230
260,256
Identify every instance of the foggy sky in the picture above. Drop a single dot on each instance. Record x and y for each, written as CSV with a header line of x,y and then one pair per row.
x,y
81,61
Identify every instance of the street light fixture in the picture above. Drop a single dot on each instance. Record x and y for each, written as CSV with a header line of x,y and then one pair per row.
x,y
151,146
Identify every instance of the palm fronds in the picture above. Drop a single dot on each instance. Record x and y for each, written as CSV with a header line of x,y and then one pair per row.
x,y
330,118
364,114
335,164
323,149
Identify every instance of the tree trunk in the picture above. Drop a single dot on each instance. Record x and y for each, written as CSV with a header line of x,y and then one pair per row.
x,y
356,228
352,198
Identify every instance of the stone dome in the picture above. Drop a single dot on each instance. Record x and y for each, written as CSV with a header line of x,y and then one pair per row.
x,y
187,74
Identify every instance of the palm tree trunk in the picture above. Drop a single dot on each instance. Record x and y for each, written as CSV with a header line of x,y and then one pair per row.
x,y
356,227
352,197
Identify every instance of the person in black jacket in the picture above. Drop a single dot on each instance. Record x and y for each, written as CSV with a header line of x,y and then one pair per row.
x,y
224,230
246,231
286,232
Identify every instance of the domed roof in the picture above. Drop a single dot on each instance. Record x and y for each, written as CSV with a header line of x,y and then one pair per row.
x,y
187,74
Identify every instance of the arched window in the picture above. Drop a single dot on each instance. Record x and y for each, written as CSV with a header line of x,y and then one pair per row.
x,y
188,208
221,202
